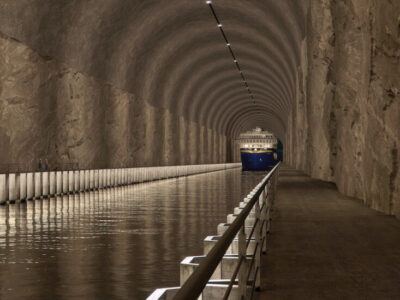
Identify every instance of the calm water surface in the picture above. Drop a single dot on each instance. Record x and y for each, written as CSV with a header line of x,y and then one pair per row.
x,y
120,243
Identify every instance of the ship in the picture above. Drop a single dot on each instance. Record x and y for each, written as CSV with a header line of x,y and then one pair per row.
x,y
258,150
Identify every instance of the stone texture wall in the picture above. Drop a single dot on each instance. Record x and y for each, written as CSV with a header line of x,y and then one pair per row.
x,y
49,110
345,124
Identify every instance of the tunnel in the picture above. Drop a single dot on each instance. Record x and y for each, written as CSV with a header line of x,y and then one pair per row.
x,y
108,84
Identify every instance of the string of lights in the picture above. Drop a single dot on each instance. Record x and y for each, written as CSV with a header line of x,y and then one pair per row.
x,y
231,52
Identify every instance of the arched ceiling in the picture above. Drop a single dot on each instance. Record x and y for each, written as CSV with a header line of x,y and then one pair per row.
x,y
171,53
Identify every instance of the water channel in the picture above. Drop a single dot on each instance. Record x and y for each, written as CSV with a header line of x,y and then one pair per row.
x,y
119,243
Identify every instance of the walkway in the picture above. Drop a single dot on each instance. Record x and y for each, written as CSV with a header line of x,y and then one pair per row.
x,y
327,246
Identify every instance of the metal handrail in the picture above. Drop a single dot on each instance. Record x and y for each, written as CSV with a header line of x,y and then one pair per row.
x,y
195,284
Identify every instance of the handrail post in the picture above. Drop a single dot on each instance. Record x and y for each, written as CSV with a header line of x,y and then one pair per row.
x,y
273,187
264,219
258,240
269,204
243,268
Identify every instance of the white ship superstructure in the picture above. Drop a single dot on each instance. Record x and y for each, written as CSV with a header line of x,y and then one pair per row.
x,y
257,139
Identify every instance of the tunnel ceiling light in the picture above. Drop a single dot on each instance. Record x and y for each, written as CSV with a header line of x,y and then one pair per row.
x,y
231,51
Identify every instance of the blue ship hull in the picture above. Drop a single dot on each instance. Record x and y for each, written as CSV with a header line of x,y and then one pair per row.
x,y
257,159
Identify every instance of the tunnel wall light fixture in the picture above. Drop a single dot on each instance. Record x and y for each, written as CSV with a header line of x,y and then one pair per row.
x,y
209,3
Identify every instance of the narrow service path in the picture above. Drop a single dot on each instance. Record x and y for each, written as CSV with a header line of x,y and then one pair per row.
x,y
324,245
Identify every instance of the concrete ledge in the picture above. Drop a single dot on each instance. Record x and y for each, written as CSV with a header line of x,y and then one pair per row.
x,y
222,227
210,241
164,294
249,220
211,291
224,270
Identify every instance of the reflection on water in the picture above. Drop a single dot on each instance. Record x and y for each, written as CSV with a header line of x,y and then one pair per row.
x,y
119,243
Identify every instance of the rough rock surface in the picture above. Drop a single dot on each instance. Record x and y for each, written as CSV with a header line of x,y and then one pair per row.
x,y
345,124
172,55
49,110
77,88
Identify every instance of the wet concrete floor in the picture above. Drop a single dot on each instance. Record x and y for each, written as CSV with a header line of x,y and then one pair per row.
x,y
119,243
327,246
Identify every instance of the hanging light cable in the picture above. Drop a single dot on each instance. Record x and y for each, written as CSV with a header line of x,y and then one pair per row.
x,y
231,51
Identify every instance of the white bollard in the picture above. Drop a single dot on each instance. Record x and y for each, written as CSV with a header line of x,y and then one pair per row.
x,y
29,186
59,182
91,175
38,185
11,188
45,184
87,180
52,184
101,178
81,180
112,178
22,186
96,179
65,184
130,176
105,179
76,181
3,189
17,186
71,182
117,181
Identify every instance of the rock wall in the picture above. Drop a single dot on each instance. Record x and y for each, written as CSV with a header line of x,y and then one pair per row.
x,y
345,124
48,110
